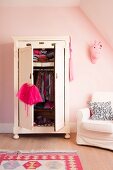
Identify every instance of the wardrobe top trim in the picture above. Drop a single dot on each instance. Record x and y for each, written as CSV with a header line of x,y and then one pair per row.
x,y
41,38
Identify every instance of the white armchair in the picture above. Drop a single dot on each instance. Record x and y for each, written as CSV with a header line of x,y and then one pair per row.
x,y
95,132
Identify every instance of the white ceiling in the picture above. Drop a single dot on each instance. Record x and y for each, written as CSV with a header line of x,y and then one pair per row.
x,y
39,2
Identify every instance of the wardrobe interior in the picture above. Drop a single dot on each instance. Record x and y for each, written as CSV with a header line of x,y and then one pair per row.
x,y
44,79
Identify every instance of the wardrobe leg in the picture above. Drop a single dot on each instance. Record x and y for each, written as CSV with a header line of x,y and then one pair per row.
x,y
16,136
67,136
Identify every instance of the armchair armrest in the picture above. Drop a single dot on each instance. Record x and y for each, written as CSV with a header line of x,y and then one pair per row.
x,y
83,114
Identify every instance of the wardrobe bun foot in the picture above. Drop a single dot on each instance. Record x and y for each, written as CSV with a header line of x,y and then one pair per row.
x,y
16,136
67,136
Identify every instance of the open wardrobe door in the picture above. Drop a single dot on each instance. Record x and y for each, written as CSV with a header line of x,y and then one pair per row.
x,y
25,76
59,85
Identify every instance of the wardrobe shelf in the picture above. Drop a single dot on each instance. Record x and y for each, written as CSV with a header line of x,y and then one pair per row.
x,y
43,64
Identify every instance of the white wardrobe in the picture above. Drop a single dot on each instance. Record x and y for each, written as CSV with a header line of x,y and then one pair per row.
x,y
44,62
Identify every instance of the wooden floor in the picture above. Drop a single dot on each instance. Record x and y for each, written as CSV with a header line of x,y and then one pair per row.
x,y
91,158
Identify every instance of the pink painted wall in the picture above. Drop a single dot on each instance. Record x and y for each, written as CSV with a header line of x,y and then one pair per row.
x,y
54,21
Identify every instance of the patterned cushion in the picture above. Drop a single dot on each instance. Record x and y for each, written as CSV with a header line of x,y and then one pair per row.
x,y
101,110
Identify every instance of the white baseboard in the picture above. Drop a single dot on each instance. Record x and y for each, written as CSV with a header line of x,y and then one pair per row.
x,y
6,127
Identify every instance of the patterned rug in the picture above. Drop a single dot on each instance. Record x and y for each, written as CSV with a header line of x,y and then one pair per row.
x,y
40,161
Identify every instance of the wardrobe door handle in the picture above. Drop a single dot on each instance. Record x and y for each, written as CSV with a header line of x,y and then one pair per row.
x,y
56,75
30,76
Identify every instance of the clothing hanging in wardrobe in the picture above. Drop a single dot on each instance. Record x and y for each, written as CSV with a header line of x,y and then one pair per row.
x,y
44,80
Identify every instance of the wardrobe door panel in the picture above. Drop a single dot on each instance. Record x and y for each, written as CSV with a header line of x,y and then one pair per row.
x,y
59,85
25,76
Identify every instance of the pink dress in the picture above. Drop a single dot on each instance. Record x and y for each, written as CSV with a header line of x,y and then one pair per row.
x,y
29,94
